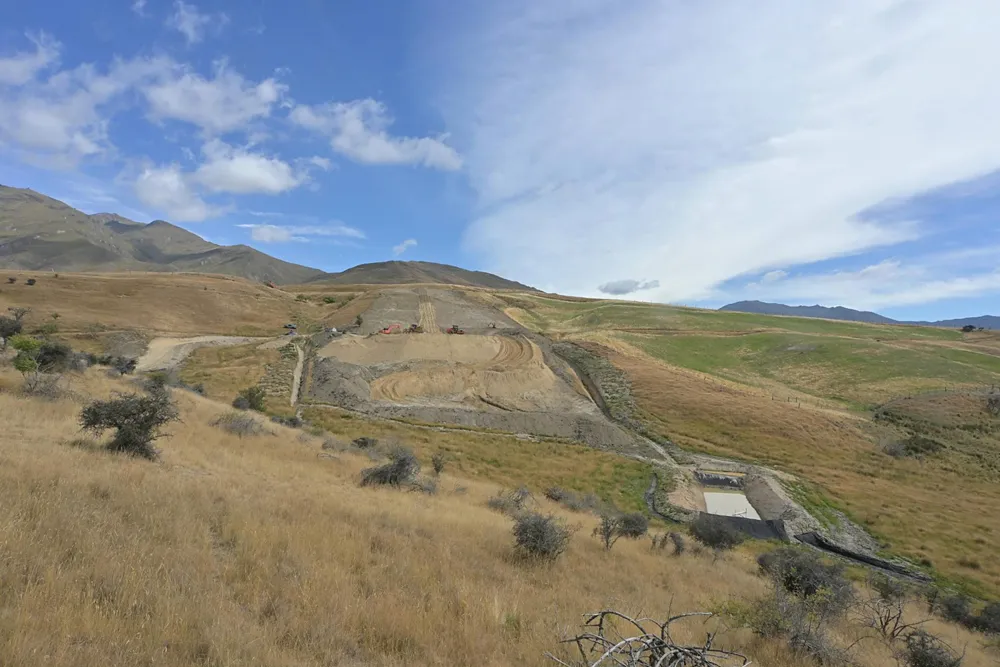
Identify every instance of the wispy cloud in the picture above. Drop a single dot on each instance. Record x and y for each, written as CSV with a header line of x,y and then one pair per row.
x,y
359,130
266,233
187,20
398,250
139,7
22,66
695,142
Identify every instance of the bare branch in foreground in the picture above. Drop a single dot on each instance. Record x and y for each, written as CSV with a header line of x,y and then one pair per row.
x,y
614,638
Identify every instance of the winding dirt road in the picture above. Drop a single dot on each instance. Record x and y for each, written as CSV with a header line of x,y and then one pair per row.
x,y
297,377
166,353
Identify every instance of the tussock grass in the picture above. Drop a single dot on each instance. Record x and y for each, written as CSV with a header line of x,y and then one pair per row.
x,y
257,551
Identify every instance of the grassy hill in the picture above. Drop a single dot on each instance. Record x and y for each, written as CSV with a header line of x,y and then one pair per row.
x,y
400,273
802,395
264,550
43,234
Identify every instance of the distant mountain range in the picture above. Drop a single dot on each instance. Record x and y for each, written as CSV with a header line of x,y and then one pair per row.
x,y
850,315
38,233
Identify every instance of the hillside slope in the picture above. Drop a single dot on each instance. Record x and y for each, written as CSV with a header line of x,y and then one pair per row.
x,y
399,273
39,233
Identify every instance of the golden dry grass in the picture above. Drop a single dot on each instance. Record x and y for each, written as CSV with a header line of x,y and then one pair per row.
x,y
174,303
257,551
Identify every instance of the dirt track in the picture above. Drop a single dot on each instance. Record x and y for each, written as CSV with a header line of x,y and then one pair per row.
x,y
166,353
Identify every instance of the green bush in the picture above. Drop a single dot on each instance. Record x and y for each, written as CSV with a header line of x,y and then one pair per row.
x,y
136,419
714,532
251,398
329,299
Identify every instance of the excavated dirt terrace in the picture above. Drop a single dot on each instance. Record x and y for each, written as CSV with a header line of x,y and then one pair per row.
x,y
498,377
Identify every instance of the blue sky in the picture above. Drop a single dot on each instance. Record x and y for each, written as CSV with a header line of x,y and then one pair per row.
x,y
843,153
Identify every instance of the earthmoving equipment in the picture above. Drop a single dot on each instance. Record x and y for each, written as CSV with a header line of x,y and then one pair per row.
x,y
455,330
31,281
391,329
270,284
290,326
415,328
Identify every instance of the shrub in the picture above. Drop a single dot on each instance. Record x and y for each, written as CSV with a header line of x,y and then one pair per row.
x,y
329,299
47,329
714,532
539,536
510,502
915,446
988,620
678,541
609,530
923,649
634,525
426,485
124,365
365,442
806,575
54,356
358,321
9,327
43,385
992,403
253,399
239,424
136,419
574,501
437,461
402,468
956,608
292,422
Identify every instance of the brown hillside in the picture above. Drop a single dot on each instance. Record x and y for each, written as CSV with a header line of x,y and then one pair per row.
x,y
44,234
404,273
174,303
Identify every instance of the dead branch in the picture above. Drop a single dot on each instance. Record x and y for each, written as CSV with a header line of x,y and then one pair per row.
x,y
614,638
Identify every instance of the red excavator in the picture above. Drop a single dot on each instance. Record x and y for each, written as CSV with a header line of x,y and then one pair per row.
x,y
455,330
391,329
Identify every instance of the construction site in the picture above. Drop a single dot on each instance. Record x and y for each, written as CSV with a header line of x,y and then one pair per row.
x,y
443,356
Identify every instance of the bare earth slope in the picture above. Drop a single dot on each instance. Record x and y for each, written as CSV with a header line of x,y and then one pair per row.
x,y
44,234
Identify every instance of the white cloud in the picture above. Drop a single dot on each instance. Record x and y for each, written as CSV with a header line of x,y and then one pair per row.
x,y
223,103
139,7
283,234
167,190
695,142
627,286
237,171
398,250
191,23
358,130
24,66
64,118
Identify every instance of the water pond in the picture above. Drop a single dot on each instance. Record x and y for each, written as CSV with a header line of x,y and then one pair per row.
x,y
729,503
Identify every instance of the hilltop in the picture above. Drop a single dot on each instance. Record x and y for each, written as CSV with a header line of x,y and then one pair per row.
x,y
39,233
402,273
851,315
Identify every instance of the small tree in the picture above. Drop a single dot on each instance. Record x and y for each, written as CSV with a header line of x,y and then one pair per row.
x,y
437,461
358,321
136,419
401,469
609,530
27,348
634,525
19,312
968,328
252,399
